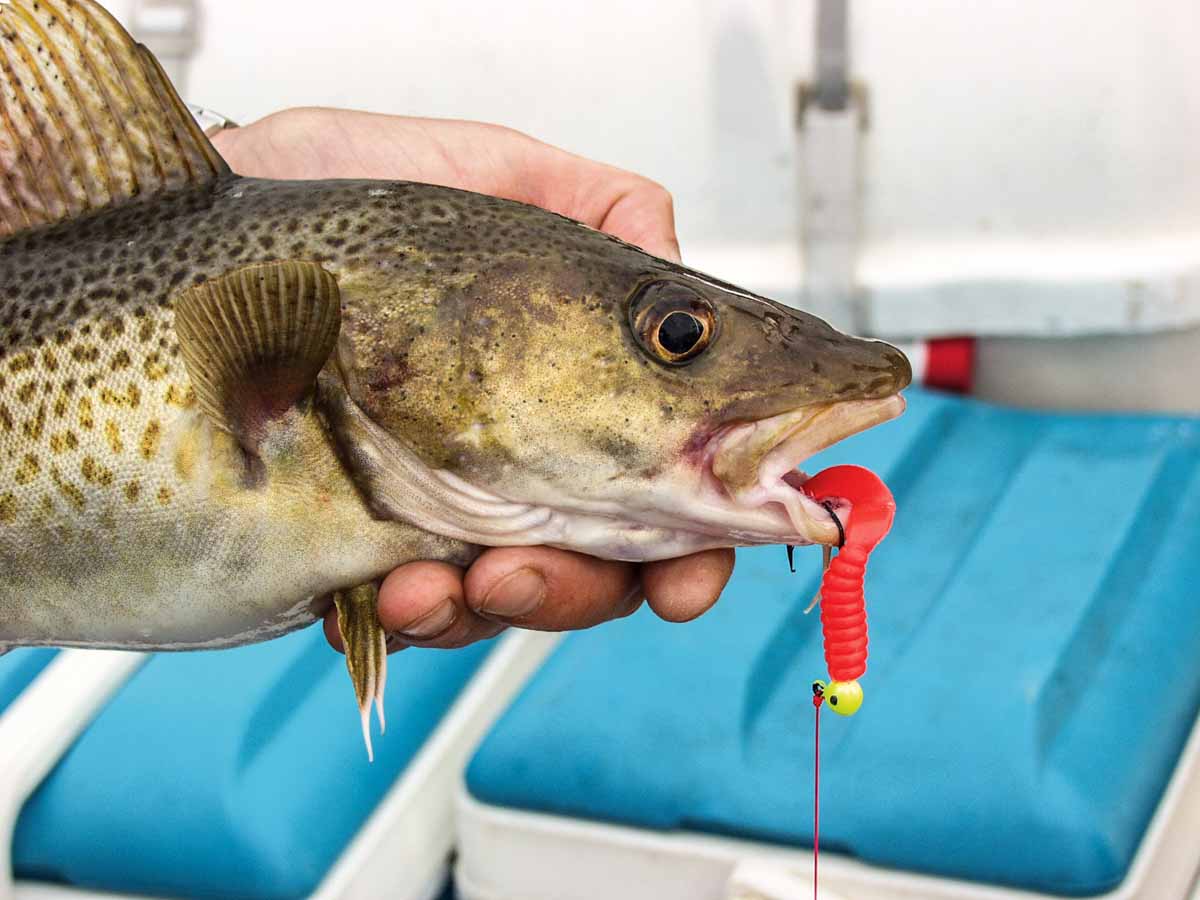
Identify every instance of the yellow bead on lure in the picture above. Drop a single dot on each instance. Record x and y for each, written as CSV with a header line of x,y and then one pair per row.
x,y
226,403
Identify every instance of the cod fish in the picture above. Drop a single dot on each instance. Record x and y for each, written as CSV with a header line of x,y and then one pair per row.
x,y
226,403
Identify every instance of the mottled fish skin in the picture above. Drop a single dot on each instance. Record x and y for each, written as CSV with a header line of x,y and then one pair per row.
x,y
491,336
122,518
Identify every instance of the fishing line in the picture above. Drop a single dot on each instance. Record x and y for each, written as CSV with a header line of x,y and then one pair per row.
x,y
818,697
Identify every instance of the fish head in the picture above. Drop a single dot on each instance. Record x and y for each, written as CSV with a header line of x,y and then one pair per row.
x,y
643,409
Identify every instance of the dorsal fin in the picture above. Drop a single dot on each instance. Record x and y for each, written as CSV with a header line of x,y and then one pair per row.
x,y
88,119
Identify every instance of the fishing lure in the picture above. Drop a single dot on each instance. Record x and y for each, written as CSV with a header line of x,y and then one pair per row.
x,y
843,604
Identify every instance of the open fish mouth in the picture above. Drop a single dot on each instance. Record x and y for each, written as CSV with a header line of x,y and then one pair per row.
x,y
755,463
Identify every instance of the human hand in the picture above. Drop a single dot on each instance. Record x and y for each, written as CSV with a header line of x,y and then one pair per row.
x,y
433,604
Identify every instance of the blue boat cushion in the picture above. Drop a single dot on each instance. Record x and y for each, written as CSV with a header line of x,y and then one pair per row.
x,y
18,669
1034,667
234,773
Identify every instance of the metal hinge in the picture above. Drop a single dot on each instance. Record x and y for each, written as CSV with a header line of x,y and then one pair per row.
x,y
832,89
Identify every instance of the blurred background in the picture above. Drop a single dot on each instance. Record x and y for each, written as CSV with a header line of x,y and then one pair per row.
x,y
1023,173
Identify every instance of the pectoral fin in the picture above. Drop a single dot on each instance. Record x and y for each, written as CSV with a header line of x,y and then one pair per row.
x,y
366,652
254,341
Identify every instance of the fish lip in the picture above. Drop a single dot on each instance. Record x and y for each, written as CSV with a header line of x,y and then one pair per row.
x,y
770,451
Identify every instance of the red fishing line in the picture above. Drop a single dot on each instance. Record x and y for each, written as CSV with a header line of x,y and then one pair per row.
x,y
817,698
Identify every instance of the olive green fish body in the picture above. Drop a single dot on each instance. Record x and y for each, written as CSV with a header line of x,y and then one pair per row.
x,y
227,403
126,518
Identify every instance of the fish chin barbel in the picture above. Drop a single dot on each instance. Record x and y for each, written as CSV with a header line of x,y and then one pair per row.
x,y
843,604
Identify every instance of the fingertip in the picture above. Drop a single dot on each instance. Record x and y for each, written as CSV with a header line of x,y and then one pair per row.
x,y
645,216
661,207
671,250
421,600
333,634
679,590
657,213
421,604
547,589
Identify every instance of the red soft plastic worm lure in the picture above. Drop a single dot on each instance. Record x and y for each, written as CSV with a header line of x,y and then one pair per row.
x,y
843,606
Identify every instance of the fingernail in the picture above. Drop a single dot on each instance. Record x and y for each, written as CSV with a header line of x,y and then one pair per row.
x,y
517,595
433,622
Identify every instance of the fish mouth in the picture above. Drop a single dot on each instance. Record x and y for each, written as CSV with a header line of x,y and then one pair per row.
x,y
755,463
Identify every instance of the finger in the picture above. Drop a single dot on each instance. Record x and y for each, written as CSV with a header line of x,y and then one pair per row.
x,y
679,590
306,143
550,590
421,605
621,203
326,143
333,634
644,214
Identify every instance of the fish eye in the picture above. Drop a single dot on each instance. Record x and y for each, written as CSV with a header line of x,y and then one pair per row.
x,y
673,323
680,332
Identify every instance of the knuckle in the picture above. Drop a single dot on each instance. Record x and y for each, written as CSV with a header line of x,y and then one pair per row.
x,y
660,196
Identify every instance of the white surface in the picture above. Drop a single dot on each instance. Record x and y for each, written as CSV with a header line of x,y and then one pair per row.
x,y
511,855
1073,119
1027,170
32,891
831,211
1051,288
753,880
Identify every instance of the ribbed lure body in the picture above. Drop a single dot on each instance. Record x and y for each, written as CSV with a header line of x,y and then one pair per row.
x,y
843,603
